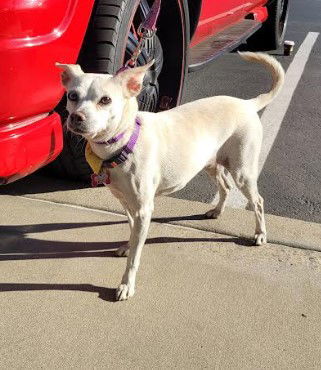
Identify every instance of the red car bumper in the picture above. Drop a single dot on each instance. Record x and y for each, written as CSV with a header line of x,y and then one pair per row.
x,y
28,145
33,36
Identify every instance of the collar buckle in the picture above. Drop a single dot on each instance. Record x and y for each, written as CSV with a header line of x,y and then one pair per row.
x,y
100,179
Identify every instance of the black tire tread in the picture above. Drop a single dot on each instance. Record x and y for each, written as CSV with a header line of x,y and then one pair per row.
x,y
268,37
104,25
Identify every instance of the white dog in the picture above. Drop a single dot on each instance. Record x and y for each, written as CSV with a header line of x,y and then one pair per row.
x,y
166,150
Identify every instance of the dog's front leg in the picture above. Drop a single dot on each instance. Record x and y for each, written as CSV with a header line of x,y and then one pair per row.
x,y
141,218
123,250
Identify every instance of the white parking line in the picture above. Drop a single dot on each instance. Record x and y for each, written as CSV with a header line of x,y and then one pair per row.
x,y
274,114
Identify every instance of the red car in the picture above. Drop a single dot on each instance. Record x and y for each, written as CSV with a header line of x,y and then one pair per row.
x,y
100,35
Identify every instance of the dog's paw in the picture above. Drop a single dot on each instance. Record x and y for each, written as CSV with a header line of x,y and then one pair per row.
x,y
249,206
260,239
122,251
124,291
213,213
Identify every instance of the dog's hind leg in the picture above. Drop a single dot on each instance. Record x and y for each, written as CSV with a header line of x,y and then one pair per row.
x,y
123,250
241,154
248,186
219,173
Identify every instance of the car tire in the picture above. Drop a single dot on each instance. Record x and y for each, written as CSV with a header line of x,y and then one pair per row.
x,y
109,41
271,35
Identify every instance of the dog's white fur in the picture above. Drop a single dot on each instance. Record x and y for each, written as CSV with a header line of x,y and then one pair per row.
x,y
219,134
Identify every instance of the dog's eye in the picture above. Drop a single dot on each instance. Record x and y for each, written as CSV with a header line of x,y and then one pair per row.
x,y
104,100
72,96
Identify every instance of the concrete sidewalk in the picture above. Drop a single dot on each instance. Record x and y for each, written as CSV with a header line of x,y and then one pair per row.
x,y
205,298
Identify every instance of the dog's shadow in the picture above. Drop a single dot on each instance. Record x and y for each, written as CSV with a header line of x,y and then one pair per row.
x,y
106,294
17,244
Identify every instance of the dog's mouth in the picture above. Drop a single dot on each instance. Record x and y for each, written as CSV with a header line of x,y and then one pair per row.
x,y
78,130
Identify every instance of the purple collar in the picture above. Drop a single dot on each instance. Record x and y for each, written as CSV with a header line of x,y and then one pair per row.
x,y
112,140
126,150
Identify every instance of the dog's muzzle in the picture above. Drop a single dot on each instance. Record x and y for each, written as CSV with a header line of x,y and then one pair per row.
x,y
77,122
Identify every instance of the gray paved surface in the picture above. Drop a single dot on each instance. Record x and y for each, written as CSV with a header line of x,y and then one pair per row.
x,y
203,299
290,180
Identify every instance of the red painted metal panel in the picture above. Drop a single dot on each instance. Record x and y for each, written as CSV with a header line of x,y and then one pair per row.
x,y
25,146
216,15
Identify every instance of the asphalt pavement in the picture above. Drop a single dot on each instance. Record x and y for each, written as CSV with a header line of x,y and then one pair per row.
x,y
290,178
204,297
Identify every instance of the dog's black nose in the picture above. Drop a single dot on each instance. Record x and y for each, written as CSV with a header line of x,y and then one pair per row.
x,y
77,118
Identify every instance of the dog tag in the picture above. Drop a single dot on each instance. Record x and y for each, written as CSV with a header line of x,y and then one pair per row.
x,y
100,179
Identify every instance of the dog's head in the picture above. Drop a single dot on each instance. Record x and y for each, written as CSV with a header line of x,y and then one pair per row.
x,y
96,102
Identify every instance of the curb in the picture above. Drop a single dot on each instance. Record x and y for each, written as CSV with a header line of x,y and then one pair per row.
x,y
234,222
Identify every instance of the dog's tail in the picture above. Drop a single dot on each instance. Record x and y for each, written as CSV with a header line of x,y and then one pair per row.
x,y
277,72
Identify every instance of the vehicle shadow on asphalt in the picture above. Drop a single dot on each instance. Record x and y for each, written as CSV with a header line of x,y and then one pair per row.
x,y
106,294
17,244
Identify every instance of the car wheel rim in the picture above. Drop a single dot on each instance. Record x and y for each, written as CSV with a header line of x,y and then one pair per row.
x,y
148,99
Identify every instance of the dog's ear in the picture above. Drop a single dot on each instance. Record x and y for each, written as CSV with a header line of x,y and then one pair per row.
x,y
70,71
132,79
